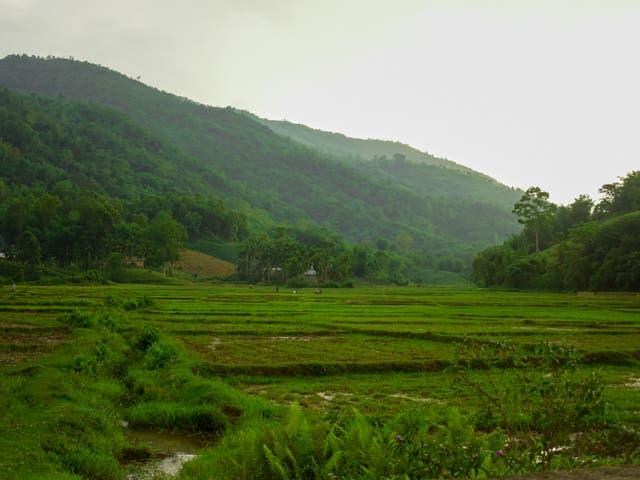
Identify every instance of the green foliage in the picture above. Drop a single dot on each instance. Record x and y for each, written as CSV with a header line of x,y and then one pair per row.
x,y
536,395
583,250
301,448
177,417
102,319
535,212
620,197
164,238
187,147
28,248
63,409
81,180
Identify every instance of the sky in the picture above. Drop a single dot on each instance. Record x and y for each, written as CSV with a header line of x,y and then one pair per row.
x,y
531,92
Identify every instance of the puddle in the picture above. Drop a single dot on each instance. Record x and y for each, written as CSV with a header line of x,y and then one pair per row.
x,y
169,451
326,396
634,382
166,467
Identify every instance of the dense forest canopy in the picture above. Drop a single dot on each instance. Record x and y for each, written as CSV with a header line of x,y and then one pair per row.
x,y
581,246
225,177
421,172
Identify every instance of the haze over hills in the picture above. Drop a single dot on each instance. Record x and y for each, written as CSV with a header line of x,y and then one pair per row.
x,y
349,148
275,176
419,171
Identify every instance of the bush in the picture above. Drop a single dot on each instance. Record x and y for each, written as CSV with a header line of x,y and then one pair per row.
x,y
531,389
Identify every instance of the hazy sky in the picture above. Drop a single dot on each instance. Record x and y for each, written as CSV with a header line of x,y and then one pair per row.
x,y
542,93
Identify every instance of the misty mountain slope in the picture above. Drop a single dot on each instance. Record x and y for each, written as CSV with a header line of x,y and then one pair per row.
x,y
265,172
352,148
421,172
439,182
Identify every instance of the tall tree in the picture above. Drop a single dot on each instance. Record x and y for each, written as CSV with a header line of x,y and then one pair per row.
x,y
534,211
28,248
164,238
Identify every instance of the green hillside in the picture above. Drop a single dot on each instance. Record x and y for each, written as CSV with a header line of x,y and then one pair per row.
x,y
581,246
83,187
421,172
353,149
269,178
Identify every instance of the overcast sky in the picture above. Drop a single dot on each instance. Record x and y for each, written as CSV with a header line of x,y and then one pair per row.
x,y
543,93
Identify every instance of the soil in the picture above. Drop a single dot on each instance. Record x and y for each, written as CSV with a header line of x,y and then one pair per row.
x,y
621,472
204,265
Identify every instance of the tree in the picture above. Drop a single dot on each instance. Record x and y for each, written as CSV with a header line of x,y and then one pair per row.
x,y
534,211
28,248
164,238
620,197
577,213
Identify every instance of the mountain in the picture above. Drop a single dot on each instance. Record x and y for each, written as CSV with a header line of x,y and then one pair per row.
x,y
274,178
354,149
421,172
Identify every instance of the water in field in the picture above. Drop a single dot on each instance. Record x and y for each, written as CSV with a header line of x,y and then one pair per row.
x,y
169,451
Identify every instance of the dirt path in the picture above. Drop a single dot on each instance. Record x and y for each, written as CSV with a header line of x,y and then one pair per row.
x,y
622,472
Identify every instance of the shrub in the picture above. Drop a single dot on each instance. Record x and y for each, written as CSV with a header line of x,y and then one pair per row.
x,y
535,394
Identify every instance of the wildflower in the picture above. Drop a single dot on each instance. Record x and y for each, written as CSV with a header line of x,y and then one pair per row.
x,y
500,453
399,438
474,456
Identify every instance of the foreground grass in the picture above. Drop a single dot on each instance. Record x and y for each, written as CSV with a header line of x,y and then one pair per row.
x,y
78,362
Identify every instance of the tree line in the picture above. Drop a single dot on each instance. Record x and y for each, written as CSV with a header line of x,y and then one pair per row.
x,y
581,246
72,228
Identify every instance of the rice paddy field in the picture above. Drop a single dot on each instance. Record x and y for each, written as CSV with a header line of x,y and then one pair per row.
x,y
379,351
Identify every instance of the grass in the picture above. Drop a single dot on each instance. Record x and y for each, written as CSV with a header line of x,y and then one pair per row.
x,y
76,361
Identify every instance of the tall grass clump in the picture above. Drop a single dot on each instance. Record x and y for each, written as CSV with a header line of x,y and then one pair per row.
x,y
178,417
164,392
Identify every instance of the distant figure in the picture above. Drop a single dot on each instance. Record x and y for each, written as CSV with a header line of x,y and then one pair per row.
x,y
13,287
277,289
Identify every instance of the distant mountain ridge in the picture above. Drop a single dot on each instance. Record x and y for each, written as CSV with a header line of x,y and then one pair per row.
x,y
341,145
255,167
386,160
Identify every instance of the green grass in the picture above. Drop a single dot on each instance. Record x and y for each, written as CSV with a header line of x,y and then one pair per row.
x,y
75,361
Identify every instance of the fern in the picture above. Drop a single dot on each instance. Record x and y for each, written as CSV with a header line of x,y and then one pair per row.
x,y
304,441
275,464
294,463
296,417
330,467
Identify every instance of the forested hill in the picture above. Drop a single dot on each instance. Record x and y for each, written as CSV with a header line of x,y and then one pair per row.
x,y
581,246
353,148
421,172
271,178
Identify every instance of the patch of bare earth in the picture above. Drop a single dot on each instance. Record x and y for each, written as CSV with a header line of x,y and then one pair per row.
x,y
204,265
